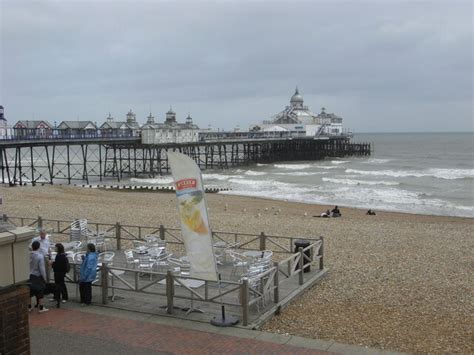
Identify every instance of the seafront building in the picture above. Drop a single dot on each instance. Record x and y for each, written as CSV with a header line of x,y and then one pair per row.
x,y
298,120
170,131
33,128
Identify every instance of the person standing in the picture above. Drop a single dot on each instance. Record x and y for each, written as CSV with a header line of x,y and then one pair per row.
x,y
88,273
37,277
60,268
44,241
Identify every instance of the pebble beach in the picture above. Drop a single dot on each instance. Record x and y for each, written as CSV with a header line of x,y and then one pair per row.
x,y
396,281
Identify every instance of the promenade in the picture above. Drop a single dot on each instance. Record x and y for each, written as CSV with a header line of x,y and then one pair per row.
x,y
95,329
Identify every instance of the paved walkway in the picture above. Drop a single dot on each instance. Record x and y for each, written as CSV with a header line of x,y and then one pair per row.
x,y
94,329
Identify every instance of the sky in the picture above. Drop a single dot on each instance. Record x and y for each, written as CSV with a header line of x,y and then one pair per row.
x,y
384,66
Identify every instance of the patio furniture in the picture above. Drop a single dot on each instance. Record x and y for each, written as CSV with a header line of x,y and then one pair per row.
x,y
145,263
98,239
78,230
238,261
130,259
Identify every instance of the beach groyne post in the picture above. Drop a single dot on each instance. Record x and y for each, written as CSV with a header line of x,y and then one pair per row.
x,y
118,236
169,292
321,254
244,300
276,291
301,266
162,232
263,241
104,280
40,222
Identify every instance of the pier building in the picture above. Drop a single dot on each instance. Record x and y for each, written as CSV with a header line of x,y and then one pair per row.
x,y
5,129
297,119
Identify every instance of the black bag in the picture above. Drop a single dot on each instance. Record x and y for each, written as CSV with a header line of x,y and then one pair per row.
x,y
49,288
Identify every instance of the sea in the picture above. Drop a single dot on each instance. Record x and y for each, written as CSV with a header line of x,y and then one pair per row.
x,y
422,173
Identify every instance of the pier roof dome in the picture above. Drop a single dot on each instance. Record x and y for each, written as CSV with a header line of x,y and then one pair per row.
x,y
296,97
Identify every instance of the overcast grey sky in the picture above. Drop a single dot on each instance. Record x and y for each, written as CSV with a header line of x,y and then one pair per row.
x,y
385,66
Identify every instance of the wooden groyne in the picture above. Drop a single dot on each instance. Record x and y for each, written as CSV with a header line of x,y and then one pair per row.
x,y
51,162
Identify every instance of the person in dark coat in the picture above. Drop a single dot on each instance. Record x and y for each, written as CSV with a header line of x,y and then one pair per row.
x,y
60,268
335,212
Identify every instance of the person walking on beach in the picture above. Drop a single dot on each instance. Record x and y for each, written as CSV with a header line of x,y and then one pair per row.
x,y
88,273
37,277
61,268
44,241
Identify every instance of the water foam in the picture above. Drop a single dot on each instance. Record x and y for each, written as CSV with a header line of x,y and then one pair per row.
x,y
448,174
337,162
359,182
303,173
153,181
377,161
217,176
255,173
292,166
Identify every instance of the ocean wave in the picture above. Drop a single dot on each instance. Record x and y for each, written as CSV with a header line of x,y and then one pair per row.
x,y
302,173
326,167
359,182
337,162
377,161
260,164
254,173
448,174
217,177
249,182
292,166
451,174
154,181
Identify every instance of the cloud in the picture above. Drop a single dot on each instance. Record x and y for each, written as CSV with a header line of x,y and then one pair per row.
x,y
223,61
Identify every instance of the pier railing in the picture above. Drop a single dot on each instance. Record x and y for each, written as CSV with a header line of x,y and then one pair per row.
x,y
290,266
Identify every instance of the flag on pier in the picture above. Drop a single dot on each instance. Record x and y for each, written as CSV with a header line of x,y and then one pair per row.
x,y
192,208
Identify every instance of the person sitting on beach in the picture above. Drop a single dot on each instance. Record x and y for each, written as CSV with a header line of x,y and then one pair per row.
x,y
326,214
371,213
335,212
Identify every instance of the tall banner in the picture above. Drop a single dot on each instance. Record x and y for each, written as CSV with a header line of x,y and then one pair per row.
x,y
192,208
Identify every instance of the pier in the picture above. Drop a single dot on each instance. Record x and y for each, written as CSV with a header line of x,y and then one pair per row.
x,y
95,159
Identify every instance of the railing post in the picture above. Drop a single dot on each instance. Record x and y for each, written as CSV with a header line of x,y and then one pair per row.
x,y
321,254
162,232
262,241
118,230
169,292
301,266
244,300
276,290
40,222
5,218
104,277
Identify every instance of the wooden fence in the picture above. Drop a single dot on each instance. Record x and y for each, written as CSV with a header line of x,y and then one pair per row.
x,y
294,263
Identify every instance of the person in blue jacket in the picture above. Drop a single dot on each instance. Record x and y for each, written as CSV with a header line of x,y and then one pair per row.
x,y
88,274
